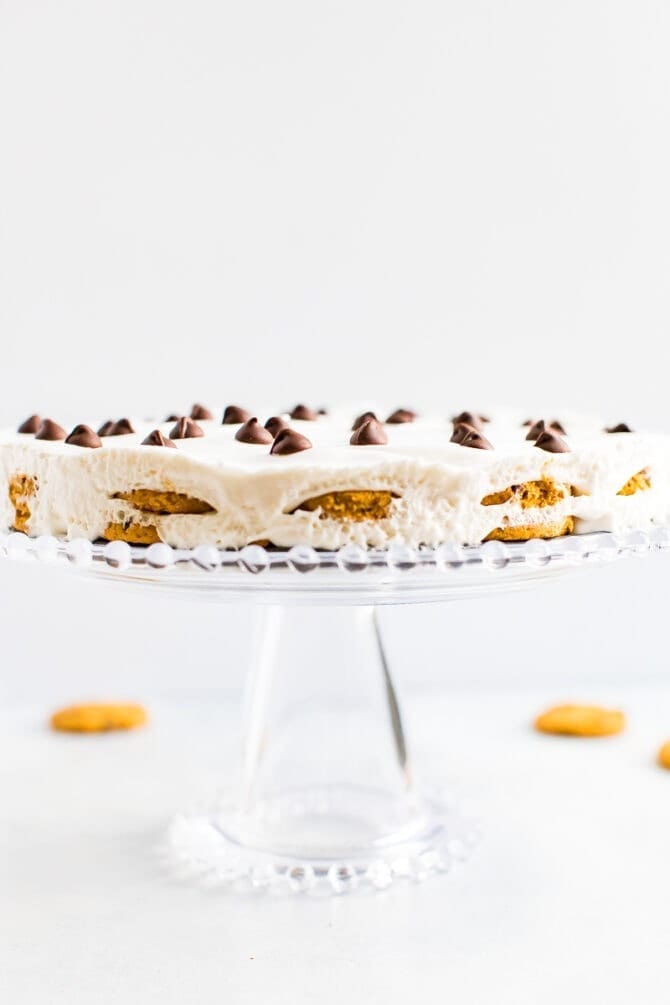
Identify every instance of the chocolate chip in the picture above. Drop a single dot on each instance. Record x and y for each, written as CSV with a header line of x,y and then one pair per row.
x,y
401,415
528,422
304,413
322,411
106,428
275,424
360,419
473,438
84,436
536,429
253,432
620,427
50,430
121,428
200,413
461,430
31,425
288,441
185,429
552,443
370,434
156,439
234,414
469,419
172,417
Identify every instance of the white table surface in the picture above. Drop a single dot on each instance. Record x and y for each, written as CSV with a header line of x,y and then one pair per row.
x,y
565,900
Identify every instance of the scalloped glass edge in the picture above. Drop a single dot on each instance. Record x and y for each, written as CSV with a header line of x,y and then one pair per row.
x,y
569,550
194,849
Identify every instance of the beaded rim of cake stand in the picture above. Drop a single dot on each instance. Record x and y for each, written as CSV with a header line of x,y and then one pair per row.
x,y
254,559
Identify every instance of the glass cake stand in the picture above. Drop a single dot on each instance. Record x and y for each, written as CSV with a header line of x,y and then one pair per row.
x,y
326,799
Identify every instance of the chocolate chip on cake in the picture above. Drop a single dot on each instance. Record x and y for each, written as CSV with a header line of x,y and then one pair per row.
x,y
461,430
620,427
370,434
469,419
186,429
363,417
253,432
156,439
83,436
304,413
552,443
234,415
30,425
288,441
473,438
50,430
536,429
200,413
123,427
106,428
540,425
275,424
401,415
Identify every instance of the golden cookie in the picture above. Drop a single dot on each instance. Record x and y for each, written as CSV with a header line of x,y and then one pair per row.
x,y
164,503
581,720
527,532
133,533
98,718
663,756
21,488
356,505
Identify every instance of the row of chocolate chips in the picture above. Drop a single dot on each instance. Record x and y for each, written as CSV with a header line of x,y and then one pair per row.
x,y
235,415
275,431
47,429
366,430
468,432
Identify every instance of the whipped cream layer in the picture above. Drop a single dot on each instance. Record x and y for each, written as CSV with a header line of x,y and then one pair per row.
x,y
437,486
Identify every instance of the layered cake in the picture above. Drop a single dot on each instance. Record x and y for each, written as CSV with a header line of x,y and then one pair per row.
x,y
232,478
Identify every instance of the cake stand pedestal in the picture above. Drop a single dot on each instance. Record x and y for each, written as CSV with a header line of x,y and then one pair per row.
x,y
326,799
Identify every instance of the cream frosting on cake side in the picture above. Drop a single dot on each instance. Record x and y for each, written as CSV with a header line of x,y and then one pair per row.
x,y
418,487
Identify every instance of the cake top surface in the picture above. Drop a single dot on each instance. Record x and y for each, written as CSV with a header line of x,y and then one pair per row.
x,y
327,438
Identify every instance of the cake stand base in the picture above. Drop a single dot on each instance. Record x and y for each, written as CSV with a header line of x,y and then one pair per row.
x,y
326,800
326,842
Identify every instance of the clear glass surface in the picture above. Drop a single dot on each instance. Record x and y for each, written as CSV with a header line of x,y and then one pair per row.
x,y
326,799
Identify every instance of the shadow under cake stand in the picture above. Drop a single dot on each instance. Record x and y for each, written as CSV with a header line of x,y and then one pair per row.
x,y
326,800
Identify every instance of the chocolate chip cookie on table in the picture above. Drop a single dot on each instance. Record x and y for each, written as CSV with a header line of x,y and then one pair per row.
x,y
234,476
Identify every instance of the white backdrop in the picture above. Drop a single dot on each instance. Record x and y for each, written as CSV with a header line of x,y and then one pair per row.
x,y
447,204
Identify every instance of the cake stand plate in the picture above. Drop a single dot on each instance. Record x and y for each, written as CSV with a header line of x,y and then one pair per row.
x,y
325,799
